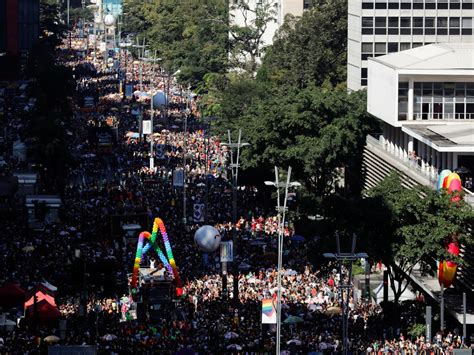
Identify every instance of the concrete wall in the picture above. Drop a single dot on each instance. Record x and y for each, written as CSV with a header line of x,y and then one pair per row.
x,y
382,93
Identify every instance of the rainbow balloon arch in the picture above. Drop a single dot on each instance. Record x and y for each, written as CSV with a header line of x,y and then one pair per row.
x,y
168,260
446,268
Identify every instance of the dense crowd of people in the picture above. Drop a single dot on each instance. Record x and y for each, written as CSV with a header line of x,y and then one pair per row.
x,y
89,255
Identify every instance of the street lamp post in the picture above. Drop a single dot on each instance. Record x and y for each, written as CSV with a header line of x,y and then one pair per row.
x,y
281,224
345,288
235,174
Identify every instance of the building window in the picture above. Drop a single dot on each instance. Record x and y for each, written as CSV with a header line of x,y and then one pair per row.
x,y
467,4
417,25
416,45
442,26
418,4
308,4
393,4
430,26
466,25
454,4
442,4
430,4
380,4
404,46
380,49
392,47
405,25
365,5
393,25
363,76
454,24
367,50
402,101
367,25
405,4
380,25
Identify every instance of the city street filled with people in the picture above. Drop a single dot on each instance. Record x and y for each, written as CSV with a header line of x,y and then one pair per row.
x,y
85,255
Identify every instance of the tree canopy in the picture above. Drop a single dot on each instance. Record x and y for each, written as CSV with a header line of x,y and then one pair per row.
x,y
189,35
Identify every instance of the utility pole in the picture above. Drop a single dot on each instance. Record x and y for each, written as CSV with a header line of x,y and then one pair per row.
x,y
281,210
235,174
345,289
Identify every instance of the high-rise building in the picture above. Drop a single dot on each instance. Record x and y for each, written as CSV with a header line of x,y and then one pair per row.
x,y
19,29
379,27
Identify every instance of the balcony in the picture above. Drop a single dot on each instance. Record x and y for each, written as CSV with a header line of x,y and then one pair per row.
x,y
380,160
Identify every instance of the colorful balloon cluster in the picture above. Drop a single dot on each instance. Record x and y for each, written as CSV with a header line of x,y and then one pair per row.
x,y
168,261
447,269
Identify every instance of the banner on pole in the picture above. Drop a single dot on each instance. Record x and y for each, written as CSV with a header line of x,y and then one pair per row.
x,y
268,311
146,127
128,91
160,151
178,178
227,252
198,212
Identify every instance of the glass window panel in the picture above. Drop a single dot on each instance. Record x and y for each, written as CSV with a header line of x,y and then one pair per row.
x,y
405,22
417,21
442,22
429,22
380,47
367,21
404,46
380,21
367,47
454,22
467,22
448,109
393,22
415,45
392,47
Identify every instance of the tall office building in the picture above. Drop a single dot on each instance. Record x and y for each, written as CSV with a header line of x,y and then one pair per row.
x,y
379,27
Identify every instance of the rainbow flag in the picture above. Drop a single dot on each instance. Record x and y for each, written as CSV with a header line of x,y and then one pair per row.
x,y
268,311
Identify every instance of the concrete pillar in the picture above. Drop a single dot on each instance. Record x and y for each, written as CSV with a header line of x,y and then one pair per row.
x,y
439,163
410,98
410,143
455,161
421,154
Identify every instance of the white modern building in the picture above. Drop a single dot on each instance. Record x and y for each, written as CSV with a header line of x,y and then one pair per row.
x,y
242,13
379,27
424,98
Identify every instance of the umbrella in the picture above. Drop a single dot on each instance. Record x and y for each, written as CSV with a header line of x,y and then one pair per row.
x,y
109,337
293,320
294,341
51,339
290,272
231,335
298,238
63,233
333,310
28,248
234,347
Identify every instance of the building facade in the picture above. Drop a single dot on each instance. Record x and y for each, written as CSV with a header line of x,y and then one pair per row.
x,y
380,27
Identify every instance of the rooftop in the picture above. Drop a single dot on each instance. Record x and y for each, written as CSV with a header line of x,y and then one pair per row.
x,y
444,138
438,56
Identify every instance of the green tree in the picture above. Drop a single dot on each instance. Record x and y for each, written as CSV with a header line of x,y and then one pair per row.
x,y
189,35
247,43
315,130
415,227
310,49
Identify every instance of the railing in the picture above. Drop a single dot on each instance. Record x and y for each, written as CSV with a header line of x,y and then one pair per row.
x,y
443,116
428,172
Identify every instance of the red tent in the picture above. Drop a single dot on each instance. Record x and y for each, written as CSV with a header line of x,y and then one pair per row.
x,y
11,295
39,297
38,287
45,311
